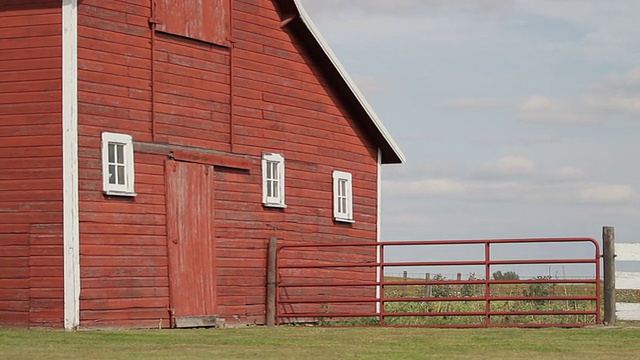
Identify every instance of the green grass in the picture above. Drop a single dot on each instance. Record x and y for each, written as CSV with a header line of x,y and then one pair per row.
x,y
324,343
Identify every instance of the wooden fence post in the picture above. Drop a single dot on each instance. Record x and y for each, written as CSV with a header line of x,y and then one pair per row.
x,y
404,287
609,268
271,281
427,288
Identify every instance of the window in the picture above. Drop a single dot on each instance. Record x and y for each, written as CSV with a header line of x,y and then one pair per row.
x,y
273,180
117,164
342,197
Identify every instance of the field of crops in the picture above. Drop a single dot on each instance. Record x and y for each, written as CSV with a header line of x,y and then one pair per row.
x,y
448,304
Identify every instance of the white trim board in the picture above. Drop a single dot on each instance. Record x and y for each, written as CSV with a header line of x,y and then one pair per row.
x,y
626,280
71,232
627,252
628,311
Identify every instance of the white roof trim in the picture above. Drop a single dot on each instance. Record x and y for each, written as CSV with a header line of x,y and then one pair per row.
x,y
347,79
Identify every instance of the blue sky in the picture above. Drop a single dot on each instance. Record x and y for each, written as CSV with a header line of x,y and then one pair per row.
x,y
518,118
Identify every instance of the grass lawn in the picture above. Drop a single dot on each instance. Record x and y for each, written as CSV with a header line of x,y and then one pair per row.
x,y
324,343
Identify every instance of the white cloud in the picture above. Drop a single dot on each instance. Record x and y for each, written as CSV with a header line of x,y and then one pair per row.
x,y
568,174
509,166
406,24
428,187
402,7
477,103
544,109
410,219
618,94
605,193
615,95
609,25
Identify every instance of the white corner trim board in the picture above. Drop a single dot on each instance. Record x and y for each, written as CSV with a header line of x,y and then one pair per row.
x,y
378,226
71,233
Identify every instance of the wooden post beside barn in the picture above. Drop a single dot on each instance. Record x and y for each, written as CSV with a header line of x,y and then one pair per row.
x,y
271,281
609,265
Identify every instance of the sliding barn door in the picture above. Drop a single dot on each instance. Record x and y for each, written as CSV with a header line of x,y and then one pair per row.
x,y
190,236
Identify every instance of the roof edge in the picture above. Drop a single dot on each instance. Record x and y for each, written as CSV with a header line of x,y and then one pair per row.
x,y
396,156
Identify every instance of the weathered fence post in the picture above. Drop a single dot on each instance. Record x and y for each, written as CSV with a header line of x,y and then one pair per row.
x,y
609,267
427,288
271,281
404,287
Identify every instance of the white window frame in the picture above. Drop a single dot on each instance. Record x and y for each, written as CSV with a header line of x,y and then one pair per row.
x,y
343,196
126,187
273,180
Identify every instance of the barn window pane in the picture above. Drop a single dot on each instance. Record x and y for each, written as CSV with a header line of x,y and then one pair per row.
x,y
112,153
112,174
120,175
273,180
120,159
342,197
117,164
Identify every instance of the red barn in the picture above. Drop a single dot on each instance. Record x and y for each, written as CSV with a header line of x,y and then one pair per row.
x,y
150,148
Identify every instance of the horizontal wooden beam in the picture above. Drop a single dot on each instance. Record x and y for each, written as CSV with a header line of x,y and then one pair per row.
x,y
195,155
211,159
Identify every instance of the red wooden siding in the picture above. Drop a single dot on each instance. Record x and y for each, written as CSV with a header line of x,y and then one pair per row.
x,y
192,93
190,235
195,19
281,104
123,252
30,159
46,297
14,275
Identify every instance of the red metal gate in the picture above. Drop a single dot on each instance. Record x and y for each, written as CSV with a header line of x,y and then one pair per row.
x,y
329,285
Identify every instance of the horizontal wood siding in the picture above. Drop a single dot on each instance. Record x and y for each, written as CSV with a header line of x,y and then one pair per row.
x,y
192,93
281,104
46,298
31,161
123,253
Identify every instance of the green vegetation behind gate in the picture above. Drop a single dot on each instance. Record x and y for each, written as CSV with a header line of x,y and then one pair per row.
x,y
465,291
323,343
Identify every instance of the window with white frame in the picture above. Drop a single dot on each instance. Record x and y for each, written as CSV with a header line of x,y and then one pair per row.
x,y
117,164
273,180
342,196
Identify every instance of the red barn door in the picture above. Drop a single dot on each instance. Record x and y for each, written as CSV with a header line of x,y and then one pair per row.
x,y
190,236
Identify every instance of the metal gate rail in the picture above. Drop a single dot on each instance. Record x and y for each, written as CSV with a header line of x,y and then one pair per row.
x,y
378,304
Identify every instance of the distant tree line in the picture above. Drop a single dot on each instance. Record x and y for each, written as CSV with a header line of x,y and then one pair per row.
x,y
509,275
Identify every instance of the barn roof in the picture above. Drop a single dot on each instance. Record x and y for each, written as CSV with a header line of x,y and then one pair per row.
x,y
296,17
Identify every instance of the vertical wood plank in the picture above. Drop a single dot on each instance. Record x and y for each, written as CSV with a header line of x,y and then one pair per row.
x,y
190,236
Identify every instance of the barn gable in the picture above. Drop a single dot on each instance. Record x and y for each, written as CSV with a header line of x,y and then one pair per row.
x,y
183,149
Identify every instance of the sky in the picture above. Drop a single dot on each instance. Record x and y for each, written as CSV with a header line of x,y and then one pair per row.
x,y
518,118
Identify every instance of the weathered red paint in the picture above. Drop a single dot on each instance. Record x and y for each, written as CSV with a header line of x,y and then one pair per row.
x,y
190,238
276,99
196,19
31,162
